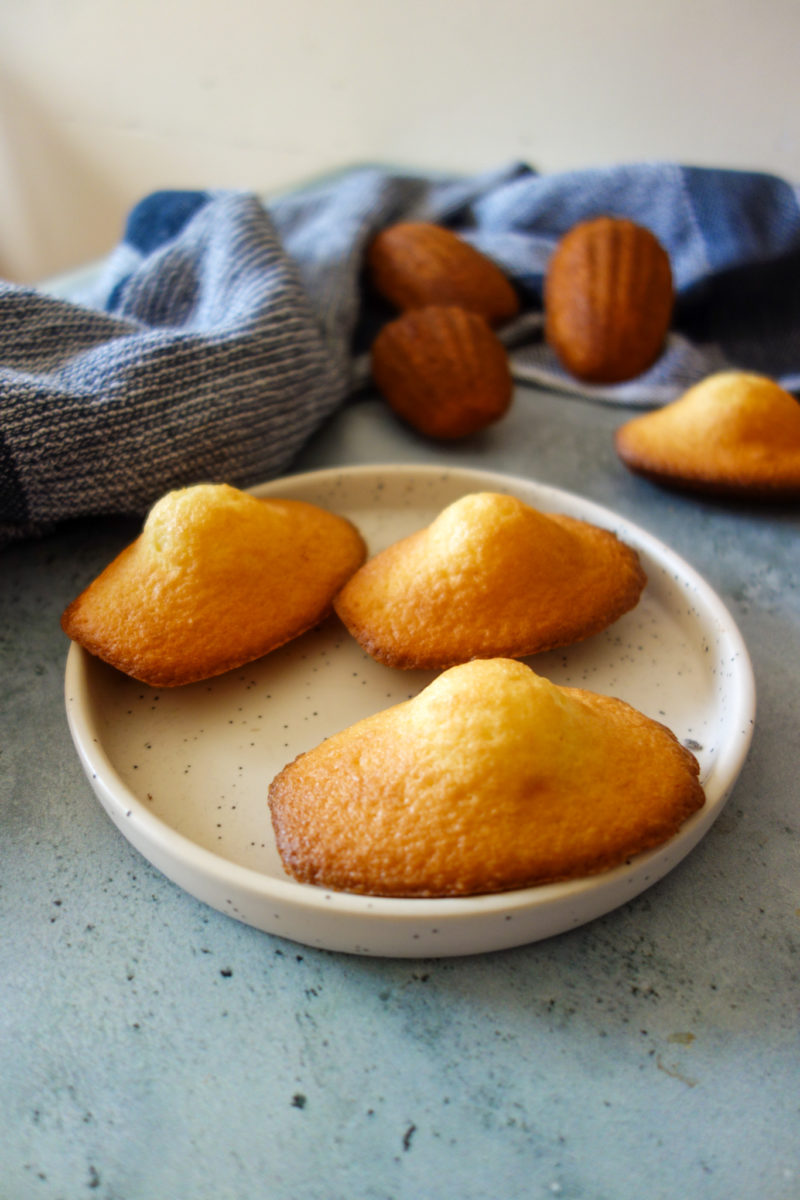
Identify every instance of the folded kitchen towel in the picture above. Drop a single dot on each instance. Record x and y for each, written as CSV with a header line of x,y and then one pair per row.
x,y
224,329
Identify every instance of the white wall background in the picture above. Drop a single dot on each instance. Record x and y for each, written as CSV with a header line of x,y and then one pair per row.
x,y
101,101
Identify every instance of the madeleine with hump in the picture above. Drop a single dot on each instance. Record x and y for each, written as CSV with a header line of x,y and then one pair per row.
x,y
492,778
490,577
216,579
735,433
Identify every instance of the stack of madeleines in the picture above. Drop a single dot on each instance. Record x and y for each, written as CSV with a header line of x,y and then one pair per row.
x,y
489,779
440,364
608,300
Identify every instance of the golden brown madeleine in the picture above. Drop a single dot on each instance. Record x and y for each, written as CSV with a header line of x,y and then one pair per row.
x,y
415,264
608,299
492,778
443,370
490,577
216,579
734,433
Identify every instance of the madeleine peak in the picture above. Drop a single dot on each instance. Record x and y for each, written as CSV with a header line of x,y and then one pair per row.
x,y
490,577
216,579
734,433
492,778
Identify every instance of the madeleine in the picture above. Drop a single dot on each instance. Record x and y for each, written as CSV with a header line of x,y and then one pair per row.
x,y
491,577
492,778
216,579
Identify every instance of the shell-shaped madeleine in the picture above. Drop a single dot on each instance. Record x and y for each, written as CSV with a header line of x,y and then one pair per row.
x,y
414,264
492,778
733,433
608,299
490,577
443,370
216,579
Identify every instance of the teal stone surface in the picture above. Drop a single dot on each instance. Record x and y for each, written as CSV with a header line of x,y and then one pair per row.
x,y
152,1048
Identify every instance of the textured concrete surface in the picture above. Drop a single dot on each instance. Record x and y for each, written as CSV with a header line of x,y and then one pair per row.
x,y
151,1048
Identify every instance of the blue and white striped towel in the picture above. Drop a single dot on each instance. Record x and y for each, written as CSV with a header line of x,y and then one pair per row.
x,y
224,329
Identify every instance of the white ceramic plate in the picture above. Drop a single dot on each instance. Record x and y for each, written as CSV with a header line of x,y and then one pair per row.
x,y
184,773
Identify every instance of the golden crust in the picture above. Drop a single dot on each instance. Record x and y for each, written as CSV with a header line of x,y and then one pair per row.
x,y
491,577
734,433
217,578
608,299
443,370
414,264
490,779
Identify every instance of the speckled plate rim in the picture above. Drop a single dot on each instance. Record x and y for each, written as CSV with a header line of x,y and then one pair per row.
x,y
406,928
